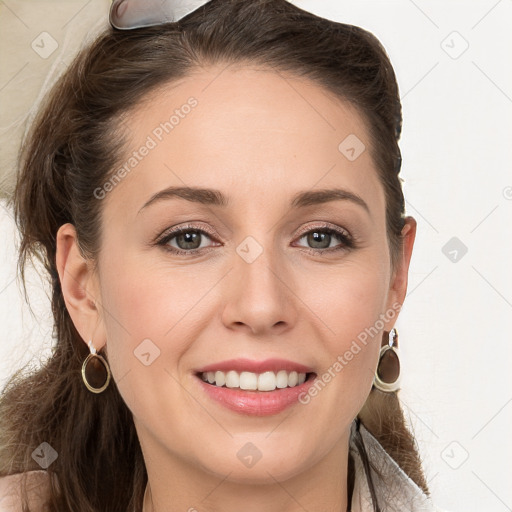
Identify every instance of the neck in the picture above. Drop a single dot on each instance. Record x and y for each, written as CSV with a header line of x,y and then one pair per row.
x,y
176,486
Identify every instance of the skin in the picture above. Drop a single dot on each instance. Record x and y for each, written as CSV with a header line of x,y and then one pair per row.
x,y
259,137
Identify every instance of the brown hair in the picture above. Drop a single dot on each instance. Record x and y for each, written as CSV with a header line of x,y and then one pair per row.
x,y
70,152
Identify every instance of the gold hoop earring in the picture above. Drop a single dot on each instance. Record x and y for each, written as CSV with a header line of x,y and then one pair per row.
x,y
98,380
387,374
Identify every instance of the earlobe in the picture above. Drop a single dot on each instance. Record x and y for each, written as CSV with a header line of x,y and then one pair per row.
x,y
77,284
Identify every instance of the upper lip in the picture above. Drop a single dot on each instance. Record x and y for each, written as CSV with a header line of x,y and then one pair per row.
x,y
250,365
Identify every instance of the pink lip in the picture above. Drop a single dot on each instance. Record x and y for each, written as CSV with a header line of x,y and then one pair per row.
x,y
255,403
248,365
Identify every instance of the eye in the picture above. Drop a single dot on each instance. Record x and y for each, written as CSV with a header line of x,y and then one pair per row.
x,y
185,240
189,240
321,238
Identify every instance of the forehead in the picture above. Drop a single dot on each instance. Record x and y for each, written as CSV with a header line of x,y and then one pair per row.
x,y
248,130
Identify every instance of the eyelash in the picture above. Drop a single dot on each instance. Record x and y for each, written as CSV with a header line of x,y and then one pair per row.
x,y
347,241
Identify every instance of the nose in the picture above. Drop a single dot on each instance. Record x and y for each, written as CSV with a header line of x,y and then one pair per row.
x,y
260,298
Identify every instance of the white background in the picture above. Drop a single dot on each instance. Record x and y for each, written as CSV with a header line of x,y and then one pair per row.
x,y
456,147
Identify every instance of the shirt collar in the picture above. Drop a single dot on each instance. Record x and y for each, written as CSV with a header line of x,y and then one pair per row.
x,y
395,490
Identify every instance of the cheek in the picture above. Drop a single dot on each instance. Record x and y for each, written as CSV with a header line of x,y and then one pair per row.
x,y
351,300
351,311
138,314
139,307
151,316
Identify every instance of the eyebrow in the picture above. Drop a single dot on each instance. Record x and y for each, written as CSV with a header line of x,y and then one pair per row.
x,y
214,197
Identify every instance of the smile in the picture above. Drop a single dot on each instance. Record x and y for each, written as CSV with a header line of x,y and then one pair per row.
x,y
267,381
256,388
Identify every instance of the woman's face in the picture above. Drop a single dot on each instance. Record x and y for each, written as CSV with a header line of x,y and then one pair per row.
x,y
261,277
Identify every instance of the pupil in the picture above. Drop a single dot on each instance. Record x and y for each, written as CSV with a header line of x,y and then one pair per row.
x,y
189,238
313,239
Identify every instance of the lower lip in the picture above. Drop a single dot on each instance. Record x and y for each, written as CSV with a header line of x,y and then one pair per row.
x,y
256,403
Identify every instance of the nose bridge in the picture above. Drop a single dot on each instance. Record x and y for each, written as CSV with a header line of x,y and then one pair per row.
x,y
260,298
258,264
262,251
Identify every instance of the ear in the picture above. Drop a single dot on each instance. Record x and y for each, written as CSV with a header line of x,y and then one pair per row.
x,y
399,279
79,287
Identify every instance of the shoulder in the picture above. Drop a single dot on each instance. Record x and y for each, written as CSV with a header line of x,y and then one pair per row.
x,y
392,485
37,488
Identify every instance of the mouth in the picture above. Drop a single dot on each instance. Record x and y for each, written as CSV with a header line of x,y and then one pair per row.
x,y
250,381
255,388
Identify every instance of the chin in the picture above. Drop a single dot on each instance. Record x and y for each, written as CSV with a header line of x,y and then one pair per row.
x,y
249,465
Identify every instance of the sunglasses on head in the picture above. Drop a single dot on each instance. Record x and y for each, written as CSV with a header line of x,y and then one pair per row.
x,y
130,14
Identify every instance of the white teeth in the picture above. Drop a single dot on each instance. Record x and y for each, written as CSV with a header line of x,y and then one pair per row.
x,y
220,379
267,381
232,379
248,380
282,379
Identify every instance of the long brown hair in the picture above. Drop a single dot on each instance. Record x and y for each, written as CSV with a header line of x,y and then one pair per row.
x,y
72,150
